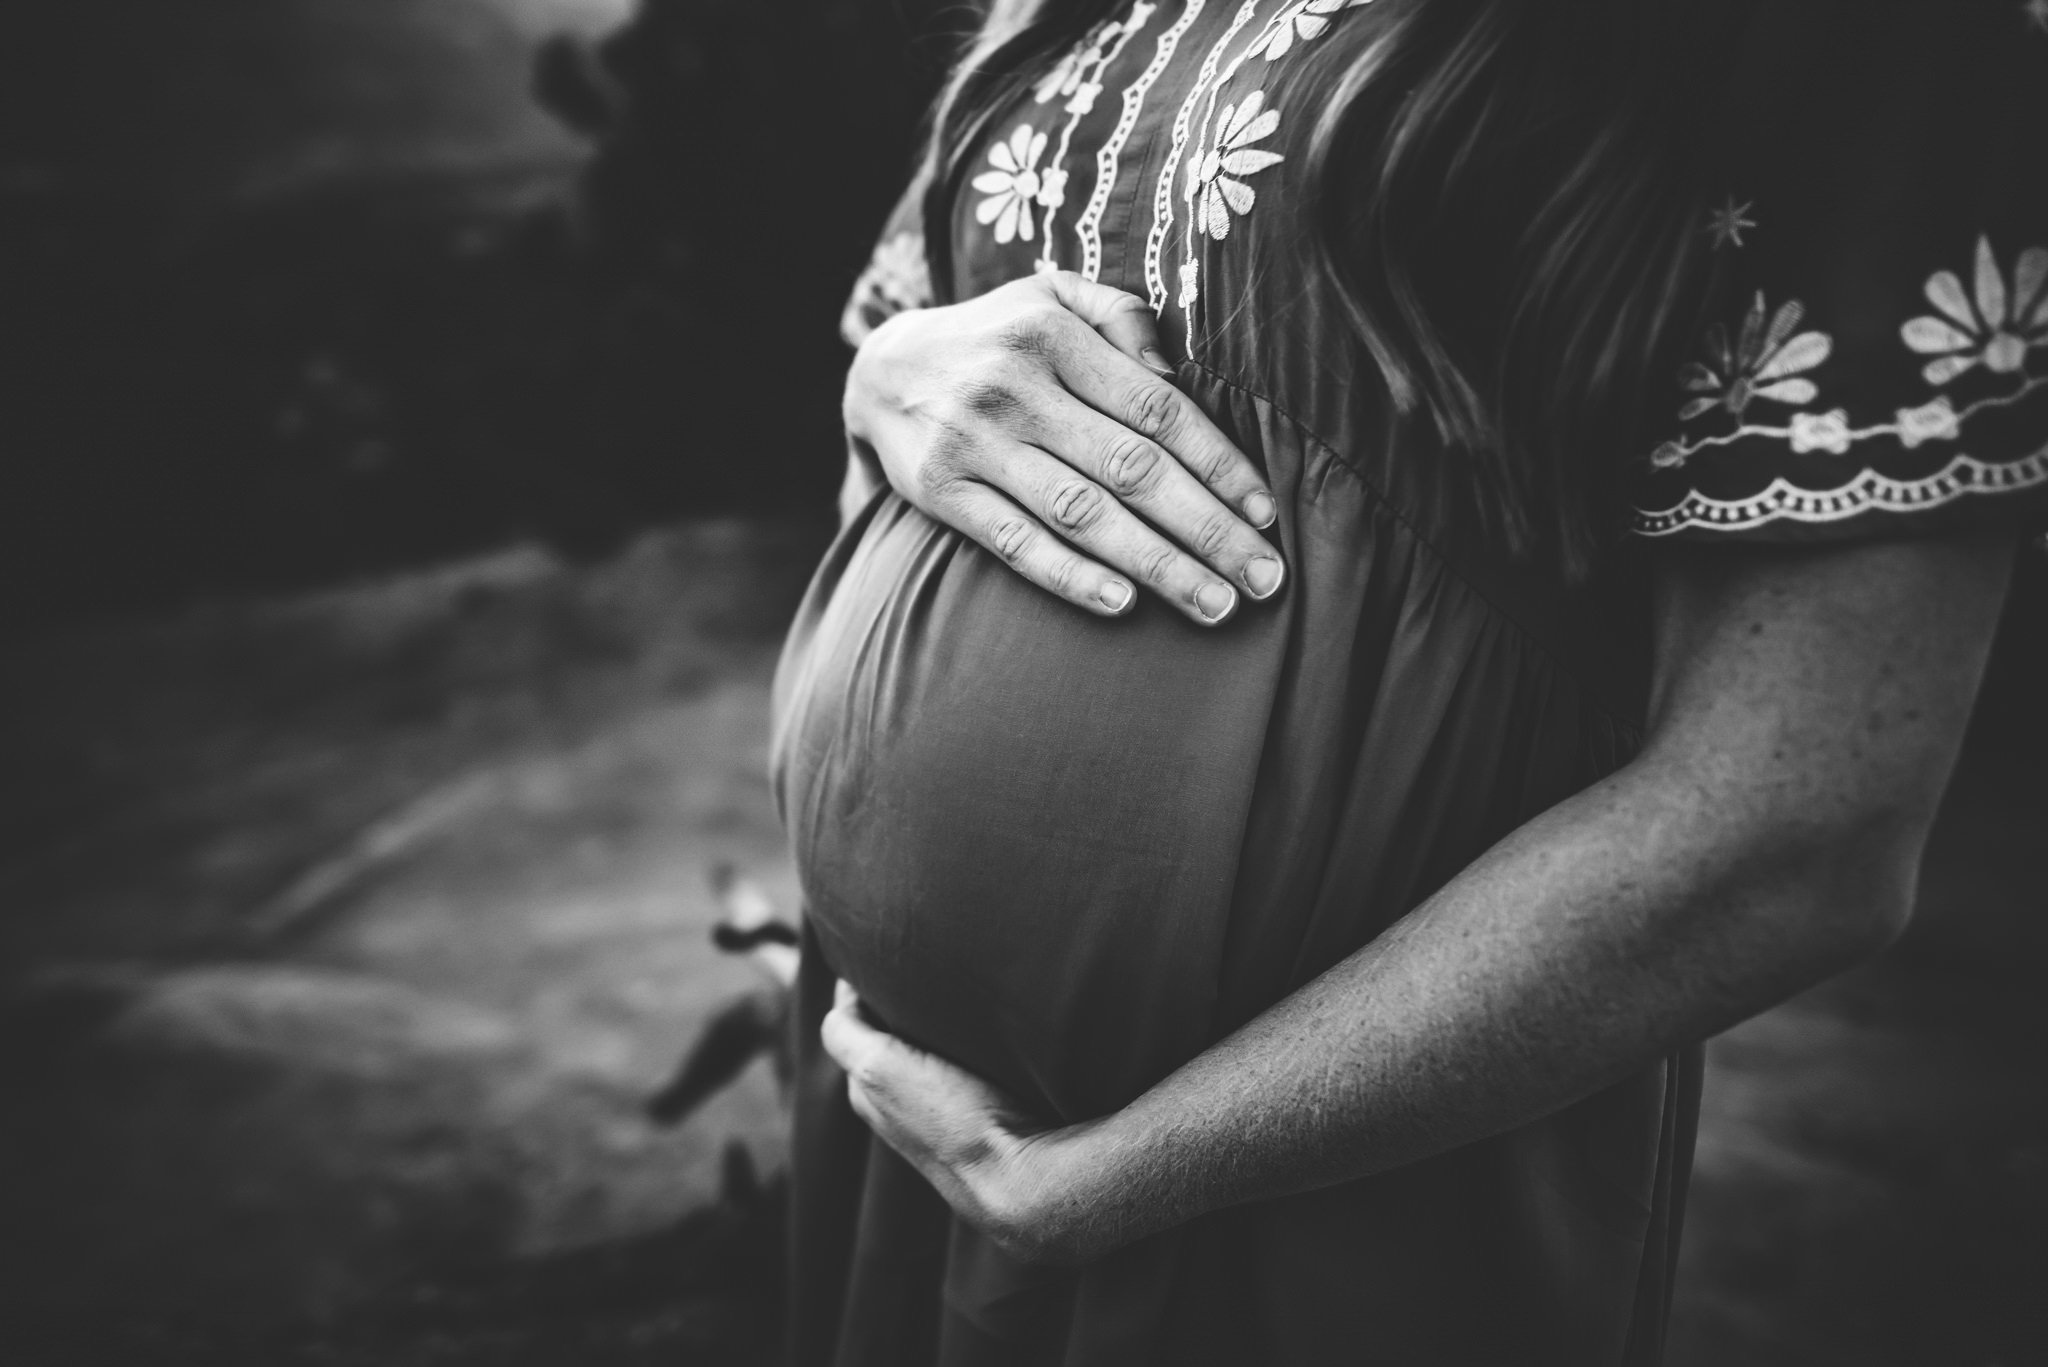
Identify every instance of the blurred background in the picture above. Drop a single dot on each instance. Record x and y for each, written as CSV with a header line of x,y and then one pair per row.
x,y
418,421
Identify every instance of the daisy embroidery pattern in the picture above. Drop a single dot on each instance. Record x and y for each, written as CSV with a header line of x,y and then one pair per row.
x,y
1213,184
1768,360
1215,187
1995,327
1306,19
1990,332
1015,184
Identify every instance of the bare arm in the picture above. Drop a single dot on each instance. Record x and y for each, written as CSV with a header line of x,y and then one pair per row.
x,y
1807,710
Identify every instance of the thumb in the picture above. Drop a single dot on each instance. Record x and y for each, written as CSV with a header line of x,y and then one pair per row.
x,y
856,1046
1123,319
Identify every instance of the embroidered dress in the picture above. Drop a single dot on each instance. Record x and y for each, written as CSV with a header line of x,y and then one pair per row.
x,y
1072,853
1874,352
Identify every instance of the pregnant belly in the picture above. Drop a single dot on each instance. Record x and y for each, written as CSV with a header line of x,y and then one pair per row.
x,y
1017,825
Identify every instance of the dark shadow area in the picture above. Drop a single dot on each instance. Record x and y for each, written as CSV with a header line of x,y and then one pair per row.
x,y
297,289
704,1291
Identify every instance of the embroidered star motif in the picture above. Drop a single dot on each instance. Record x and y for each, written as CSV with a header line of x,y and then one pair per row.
x,y
2036,14
1727,224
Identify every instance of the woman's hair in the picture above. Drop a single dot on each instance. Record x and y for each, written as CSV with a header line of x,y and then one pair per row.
x,y
1504,204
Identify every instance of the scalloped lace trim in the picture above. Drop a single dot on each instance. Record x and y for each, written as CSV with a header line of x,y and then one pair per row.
x,y
1869,491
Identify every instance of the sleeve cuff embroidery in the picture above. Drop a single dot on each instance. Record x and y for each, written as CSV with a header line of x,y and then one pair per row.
x,y
1993,333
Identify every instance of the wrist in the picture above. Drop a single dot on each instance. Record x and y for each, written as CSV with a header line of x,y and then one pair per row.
x,y
1077,1189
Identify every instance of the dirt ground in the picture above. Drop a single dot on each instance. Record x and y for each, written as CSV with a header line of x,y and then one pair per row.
x,y
345,935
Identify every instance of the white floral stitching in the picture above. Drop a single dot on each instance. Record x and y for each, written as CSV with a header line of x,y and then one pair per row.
x,y
1960,478
1727,224
1089,229
1214,191
2005,324
1162,195
1014,184
1080,79
1996,326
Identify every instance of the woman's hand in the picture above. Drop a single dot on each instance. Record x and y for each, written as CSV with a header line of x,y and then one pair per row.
x,y
1040,421
1015,1179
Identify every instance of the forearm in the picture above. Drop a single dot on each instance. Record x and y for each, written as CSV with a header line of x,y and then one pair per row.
x,y
1583,947
1806,711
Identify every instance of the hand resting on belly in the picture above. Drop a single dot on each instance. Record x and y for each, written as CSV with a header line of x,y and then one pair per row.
x,y
1039,420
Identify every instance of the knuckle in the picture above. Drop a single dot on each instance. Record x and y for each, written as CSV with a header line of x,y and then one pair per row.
x,y
937,489
991,396
1063,575
1076,506
1033,332
1131,305
1131,465
1212,535
1154,411
1009,539
945,465
1155,564
1215,467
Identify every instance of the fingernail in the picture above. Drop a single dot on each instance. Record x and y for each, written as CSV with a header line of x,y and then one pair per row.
x,y
1156,358
1262,576
1214,601
1262,511
1115,595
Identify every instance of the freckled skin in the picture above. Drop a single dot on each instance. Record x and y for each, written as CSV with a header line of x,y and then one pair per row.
x,y
1806,711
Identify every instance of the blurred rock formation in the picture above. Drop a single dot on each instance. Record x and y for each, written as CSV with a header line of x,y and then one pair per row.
x,y
297,290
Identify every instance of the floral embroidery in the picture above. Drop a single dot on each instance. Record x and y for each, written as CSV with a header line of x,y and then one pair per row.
x,y
1727,224
1935,421
1065,78
1169,175
1827,432
1994,327
1998,333
1015,184
1214,190
1781,500
1306,19
1080,80
1758,366
1089,228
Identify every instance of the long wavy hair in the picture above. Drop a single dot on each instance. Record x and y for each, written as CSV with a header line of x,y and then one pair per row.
x,y
1505,204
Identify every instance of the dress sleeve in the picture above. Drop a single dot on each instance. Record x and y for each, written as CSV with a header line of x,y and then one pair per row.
x,y
896,277
1873,359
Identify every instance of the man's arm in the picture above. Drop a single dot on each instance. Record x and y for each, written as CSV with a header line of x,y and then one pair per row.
x,y
1807,709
